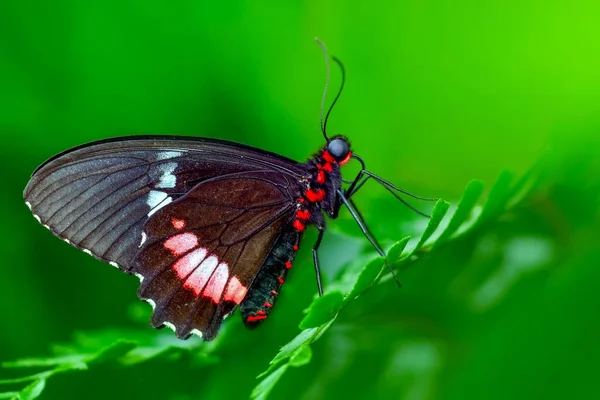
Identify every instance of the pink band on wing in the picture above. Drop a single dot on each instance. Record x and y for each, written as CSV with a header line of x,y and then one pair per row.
x,y
199,278
235,291
214,287
182,243
186,264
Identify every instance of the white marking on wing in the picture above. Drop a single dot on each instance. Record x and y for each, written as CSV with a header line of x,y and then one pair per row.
x,y
157,200
165,155
167,179
114,264
151,302
86,251
143,239
140,277
37,218
197,333
28,204
170,326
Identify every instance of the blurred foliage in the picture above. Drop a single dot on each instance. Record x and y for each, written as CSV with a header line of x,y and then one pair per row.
x,y
501,299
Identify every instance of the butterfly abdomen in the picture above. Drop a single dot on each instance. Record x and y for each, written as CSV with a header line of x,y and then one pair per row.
x,y
266,287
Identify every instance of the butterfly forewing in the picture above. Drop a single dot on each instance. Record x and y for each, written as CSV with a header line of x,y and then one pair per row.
x,y
99,196
202,252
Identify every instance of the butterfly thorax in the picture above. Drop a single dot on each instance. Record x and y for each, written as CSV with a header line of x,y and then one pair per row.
x,y
322,183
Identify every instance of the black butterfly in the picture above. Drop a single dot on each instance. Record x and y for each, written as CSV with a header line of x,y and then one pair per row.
x,y
205,224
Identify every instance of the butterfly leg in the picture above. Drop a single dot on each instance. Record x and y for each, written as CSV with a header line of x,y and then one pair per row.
x,y
365,230
364,175
315,251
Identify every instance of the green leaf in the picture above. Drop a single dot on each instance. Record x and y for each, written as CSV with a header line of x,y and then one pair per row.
x,y
468,201
302,356
73,360
395,254
290,348
323,310
525,184
9,395
439,210
262,390
498,197
367,277
112,352
28,378
33,390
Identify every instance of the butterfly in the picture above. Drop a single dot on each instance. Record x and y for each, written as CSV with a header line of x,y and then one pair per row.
x,y
206,225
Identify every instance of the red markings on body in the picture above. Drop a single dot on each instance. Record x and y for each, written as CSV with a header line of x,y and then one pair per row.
x,y
202,273
267,304
253,318
298,225
328,157
274,293
346,159
288,265
327,167
303,214
185,265
236,291
295,247
315,195
214,287
181,243
280,280
178,223
321,177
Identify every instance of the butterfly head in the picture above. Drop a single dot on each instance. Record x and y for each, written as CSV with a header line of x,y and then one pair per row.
x,y
339,148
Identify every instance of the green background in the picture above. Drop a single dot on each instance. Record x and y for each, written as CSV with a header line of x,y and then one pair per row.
x,y
437,93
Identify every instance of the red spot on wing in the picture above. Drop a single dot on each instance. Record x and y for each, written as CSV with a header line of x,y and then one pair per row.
x,y
274,293
178,223
261,312
267,304
214,287
298,225
235,291
280,280
295,247
288,264
181,243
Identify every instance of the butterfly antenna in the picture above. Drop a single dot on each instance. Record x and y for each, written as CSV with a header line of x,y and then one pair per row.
x,y
327,73
339,93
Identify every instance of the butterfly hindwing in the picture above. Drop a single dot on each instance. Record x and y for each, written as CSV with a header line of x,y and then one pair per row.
x,y
261,297
202,252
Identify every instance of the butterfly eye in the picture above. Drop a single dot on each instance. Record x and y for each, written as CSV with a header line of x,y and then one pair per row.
x,y
339,149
